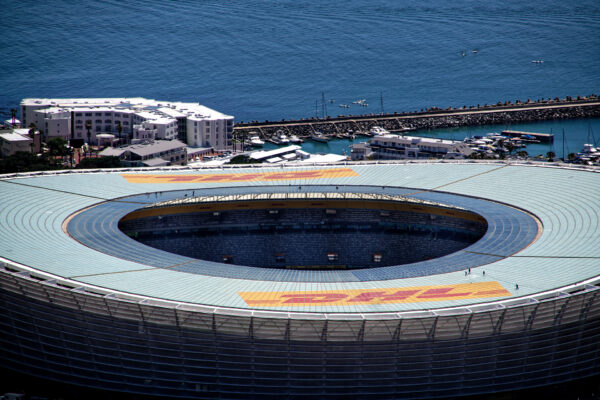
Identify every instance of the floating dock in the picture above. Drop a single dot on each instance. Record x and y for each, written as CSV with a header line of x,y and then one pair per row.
x,y
540,137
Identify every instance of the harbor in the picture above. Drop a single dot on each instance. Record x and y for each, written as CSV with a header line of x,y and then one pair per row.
x,y
577,132
352,126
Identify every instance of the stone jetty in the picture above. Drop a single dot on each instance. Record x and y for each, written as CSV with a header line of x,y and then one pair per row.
x,y
432,118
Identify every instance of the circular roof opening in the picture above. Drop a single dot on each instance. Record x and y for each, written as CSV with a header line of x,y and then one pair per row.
x,y
314,231
245,218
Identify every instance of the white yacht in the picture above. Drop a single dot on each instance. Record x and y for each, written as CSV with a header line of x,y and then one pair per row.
x,y
378,131
256,142
283,139
295,139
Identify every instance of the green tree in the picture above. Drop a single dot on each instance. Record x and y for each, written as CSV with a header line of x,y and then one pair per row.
x,y
510,146
572,157
32,129
100,162
57,147
243,159
13,115
550,155
120,130
23,161
88,127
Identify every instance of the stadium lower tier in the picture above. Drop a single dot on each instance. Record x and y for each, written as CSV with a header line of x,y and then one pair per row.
x,y
62,334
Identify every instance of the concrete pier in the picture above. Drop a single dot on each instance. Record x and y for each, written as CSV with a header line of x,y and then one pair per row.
x,y
540,137
502,113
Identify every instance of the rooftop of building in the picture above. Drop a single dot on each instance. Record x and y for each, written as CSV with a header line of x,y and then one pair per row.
x,y
416,139
169,109
266,154
12,136
146,148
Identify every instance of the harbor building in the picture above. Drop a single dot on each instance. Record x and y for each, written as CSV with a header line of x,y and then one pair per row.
x,y
391,147
192,123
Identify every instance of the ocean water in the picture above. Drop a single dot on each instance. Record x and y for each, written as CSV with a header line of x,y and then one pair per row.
x,y
268,60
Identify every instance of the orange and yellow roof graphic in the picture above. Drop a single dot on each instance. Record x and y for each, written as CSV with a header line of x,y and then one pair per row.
x,y
240,177
415,294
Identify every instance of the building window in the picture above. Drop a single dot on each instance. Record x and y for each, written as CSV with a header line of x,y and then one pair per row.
x,y
107,114
98,114
88,114
78,114
108,121
98,121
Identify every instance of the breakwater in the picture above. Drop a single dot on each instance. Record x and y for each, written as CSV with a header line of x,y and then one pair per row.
x,y
433,118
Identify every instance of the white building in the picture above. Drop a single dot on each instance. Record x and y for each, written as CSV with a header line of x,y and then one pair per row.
x,y
18,139
143,131
194,124
402,147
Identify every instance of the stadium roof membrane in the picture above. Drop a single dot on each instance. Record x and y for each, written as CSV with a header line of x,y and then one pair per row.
x,y
564,248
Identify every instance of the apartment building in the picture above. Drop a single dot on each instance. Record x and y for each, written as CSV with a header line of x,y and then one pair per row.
x,y
192,123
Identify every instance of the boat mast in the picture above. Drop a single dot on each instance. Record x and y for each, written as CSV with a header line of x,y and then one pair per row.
x,y
381,102
324,105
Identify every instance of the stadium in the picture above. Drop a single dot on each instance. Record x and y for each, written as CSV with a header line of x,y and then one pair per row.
x,y
380,280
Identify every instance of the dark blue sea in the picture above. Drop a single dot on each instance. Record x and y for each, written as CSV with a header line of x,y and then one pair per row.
x,y
268,60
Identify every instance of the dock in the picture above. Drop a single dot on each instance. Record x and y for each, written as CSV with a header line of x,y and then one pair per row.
x,y
540,137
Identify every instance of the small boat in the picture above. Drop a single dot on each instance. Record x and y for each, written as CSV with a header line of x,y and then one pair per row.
x,y
319,137
378,131
537,61
475,51
343,106
332,100
295,139
283,139
256,142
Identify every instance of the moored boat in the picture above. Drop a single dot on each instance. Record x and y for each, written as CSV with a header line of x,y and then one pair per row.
x,y
256,142
319,137
378,131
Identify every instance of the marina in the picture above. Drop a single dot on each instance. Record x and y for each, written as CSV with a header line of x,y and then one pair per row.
x,y
577,133
503,113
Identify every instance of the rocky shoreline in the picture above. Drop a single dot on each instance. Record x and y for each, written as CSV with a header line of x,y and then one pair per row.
x,y
502,113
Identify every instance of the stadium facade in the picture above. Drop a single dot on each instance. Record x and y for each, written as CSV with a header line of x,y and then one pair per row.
x,y
515,306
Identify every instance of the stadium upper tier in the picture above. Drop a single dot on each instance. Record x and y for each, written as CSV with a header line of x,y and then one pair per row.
x,y
543,224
